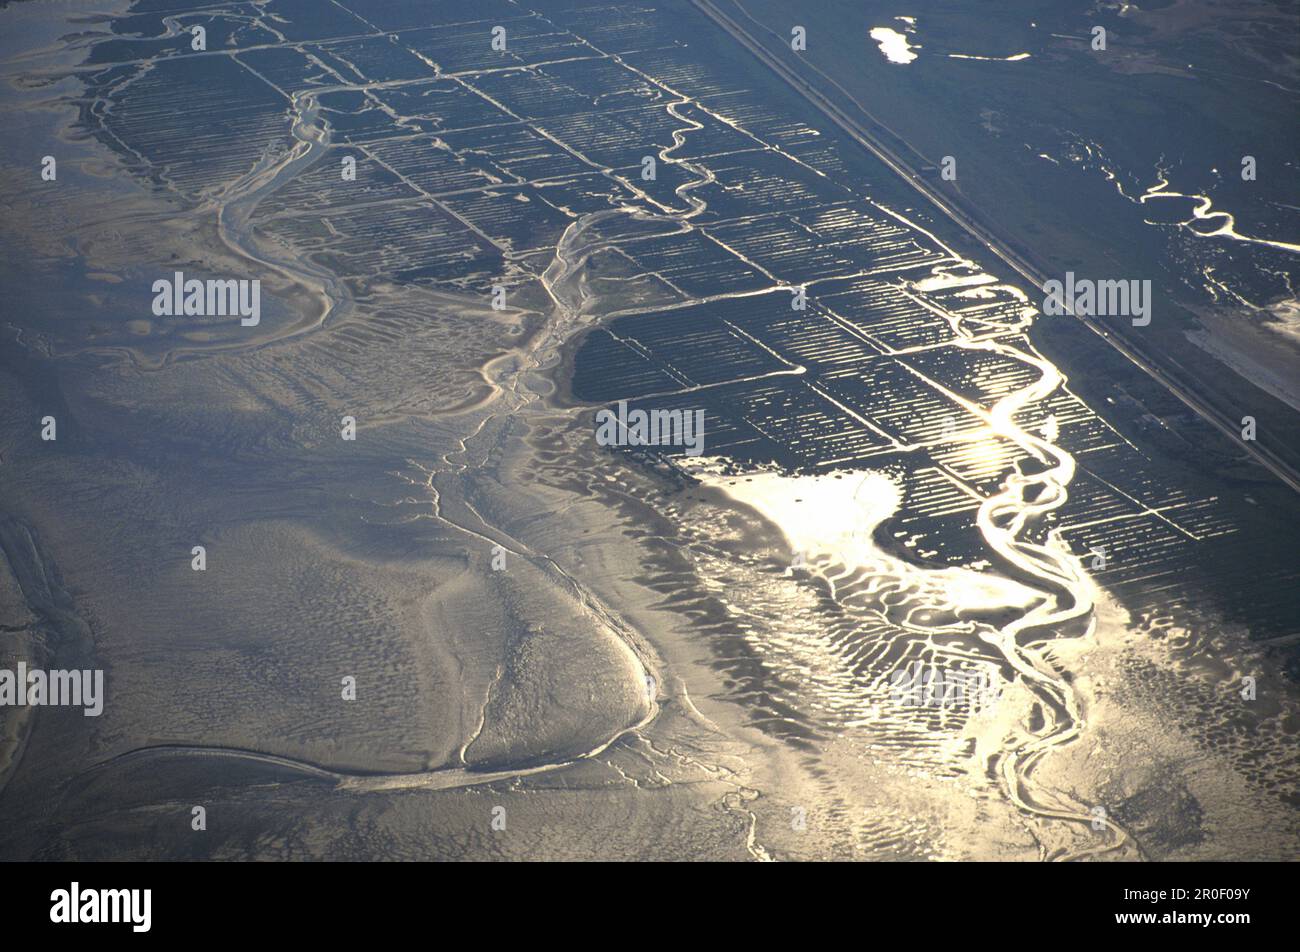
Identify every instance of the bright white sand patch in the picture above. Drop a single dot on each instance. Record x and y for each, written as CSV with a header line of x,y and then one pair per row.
x,y
831,519
893,44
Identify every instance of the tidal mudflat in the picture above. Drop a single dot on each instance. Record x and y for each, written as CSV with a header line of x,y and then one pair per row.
x,y
923,593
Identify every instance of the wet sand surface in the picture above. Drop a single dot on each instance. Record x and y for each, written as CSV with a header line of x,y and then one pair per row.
x,y
563,650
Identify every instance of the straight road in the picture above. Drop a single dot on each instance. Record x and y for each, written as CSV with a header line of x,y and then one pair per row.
x,y
1013,259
